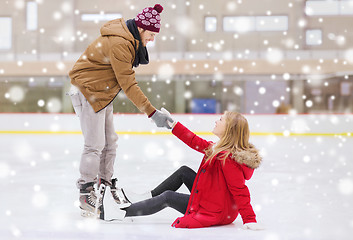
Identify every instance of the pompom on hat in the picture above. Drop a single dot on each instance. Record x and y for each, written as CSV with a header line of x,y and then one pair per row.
x,y
149,19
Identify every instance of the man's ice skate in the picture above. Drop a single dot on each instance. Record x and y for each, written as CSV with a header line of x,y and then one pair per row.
x,y
91,200
88,200
119,195
109,210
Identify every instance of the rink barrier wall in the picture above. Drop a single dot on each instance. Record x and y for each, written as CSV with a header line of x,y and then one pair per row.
x,y
329,125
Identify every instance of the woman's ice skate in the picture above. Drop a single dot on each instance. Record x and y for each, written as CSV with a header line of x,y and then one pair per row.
x,y
119,195
136,197
110,210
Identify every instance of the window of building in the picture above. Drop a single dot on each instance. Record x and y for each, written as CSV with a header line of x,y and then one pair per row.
x,y
210,24
257,23
313,37
346,7
329,8
239,24
271,23
5,33
92,17
32,16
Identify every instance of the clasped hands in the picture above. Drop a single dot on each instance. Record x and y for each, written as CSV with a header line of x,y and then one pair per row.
x,y
162,118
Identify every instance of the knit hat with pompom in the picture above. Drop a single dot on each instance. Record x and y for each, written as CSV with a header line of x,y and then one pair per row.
x,y
149,18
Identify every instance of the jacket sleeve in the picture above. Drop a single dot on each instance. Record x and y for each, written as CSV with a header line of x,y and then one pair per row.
x,y
190,138
120,59
240,192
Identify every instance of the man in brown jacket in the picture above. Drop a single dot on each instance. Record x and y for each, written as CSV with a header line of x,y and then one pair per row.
x,y
103,70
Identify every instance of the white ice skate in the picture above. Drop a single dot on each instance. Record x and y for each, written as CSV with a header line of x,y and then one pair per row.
x,y
110,210
119,195
136,197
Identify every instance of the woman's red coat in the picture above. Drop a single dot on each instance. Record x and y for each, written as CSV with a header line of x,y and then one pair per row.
x,y
219,192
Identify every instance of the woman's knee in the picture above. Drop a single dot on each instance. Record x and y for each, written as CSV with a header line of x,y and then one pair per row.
x,y
186,171
167,195
184,168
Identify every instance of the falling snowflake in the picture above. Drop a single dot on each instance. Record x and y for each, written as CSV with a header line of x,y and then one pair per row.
x,y
54,105
165,71
345,186
39,199
4,170
16,94
274,56
348,55
41,103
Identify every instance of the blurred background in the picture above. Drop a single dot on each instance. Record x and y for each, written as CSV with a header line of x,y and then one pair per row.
x,y
255,57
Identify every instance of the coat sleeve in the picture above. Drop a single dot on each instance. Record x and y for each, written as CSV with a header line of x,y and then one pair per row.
x,y
190,138
240,192
120,59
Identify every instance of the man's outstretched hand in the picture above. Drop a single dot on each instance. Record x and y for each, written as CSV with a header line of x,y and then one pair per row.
x,y
162,119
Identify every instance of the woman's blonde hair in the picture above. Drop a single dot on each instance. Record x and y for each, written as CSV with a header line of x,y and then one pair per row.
x,y
235,137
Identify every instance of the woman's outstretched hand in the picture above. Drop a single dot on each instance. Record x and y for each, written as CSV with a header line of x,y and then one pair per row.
x,y
253,226
162,119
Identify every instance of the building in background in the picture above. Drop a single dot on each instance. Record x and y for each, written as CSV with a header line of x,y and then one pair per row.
x,y
246,56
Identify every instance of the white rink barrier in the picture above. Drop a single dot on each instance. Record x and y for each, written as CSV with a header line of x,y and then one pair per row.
x,y
269,124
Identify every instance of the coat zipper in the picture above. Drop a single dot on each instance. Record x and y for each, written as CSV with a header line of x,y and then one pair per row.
x,y
192,199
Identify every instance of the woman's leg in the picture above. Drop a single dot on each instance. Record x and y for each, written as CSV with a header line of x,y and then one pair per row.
x,y
183,175
178,201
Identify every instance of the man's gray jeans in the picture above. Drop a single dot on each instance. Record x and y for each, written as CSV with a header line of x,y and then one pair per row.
x,y
100,141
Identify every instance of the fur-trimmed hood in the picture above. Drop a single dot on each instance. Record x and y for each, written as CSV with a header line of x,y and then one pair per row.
x,y
250,157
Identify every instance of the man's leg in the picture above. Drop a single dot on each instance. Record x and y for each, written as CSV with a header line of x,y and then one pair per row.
x,y
93,130
106,168
107,158
92,126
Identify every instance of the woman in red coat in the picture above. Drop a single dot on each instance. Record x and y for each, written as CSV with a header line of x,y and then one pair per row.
x,y
218,190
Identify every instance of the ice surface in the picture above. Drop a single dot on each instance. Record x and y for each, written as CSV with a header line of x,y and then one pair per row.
x,y
303,190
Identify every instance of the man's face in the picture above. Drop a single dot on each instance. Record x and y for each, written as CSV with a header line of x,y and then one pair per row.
x,y
146,36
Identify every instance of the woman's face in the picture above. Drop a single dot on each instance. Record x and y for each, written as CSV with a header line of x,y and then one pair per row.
x,y
220,127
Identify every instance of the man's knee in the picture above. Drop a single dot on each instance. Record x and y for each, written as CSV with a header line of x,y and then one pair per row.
x,y
94,149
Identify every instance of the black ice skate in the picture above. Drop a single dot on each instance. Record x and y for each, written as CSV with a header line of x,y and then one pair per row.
x,y
91,200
